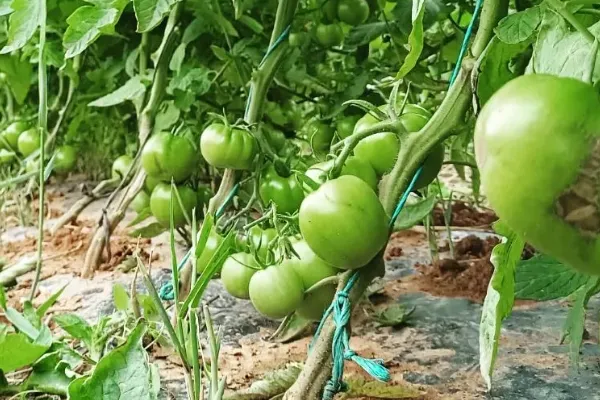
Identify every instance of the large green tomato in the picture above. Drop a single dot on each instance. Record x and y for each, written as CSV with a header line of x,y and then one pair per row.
x,y
315,303
161,199
353,12
259,239
276,291
212,244
140,202
150,183
12,132
329,35
344,222
65,159
285,192
345,125
353,166
29,141
236,273
381,149
121,166
319,135
537,145
227,147
330,9
167,156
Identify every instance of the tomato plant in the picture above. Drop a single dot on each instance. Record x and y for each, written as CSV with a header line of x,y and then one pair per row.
x,y
167,156
121,166
319,135
259,240
65,159
228,147
329,35
353,12
236,273
285,192
12,132
140,202
353,166
345,125
28,142
327,212
276,291
160,201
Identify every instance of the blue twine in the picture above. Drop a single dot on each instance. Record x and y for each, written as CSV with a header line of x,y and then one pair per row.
x,y
465,43
405,195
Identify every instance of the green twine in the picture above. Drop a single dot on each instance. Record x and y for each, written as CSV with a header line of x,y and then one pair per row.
x,y
465,43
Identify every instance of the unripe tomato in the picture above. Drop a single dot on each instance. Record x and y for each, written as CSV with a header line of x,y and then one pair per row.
x,y
167,156
227,147
297,39
236,273
381,149
276,138
65,159
12,132
29,141
276,291
7,156
329,35
319,135
150,183
344,222
212,244
330,10
161,199
315,303
140,202
353,166
204,194
345,125
121,166
259,239
537,145
431,167
285,192
353,12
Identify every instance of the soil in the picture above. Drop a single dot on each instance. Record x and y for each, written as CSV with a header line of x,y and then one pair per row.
x,y
464,215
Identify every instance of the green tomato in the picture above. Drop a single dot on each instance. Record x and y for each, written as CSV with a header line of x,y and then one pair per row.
x,y
353,166
353,12
204,194
344,222
319,135
309,267
315,303
345,125
29,141
227,147
150,183
167,156
140,202
236,273
65,159
210,248
121,166
7,156
12,132
431,167
537,145
297,39
330,9
259,239
329,35
161,199
276,138
276,291
285,192
381,149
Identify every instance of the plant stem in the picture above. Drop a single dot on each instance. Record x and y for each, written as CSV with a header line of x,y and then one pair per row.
x,y
42,127
10,103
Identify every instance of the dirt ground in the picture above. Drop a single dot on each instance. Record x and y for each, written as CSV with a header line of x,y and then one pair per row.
x,y
434,355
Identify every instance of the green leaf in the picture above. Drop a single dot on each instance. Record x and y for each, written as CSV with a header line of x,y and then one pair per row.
x,y
251,23
48,374
75,326
124,373
87,23
21,323
520,26
2,298
415,39
5,7
412,214
496,68
543,278
17,351
141,216
150,13
45,306
131,90
149,231
23,23
291,328
120,297
499,299
363,34
18,75
394,315
562,52
167,117
575,322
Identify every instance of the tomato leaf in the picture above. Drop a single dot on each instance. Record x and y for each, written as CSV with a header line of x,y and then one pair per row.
x,y
291,328
520,26
18,75
132,89
562,52
88,22
149,231
499,299
23,23
497,67
365,33
150,13
574,326
412,214
125,370
415,39
543,278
